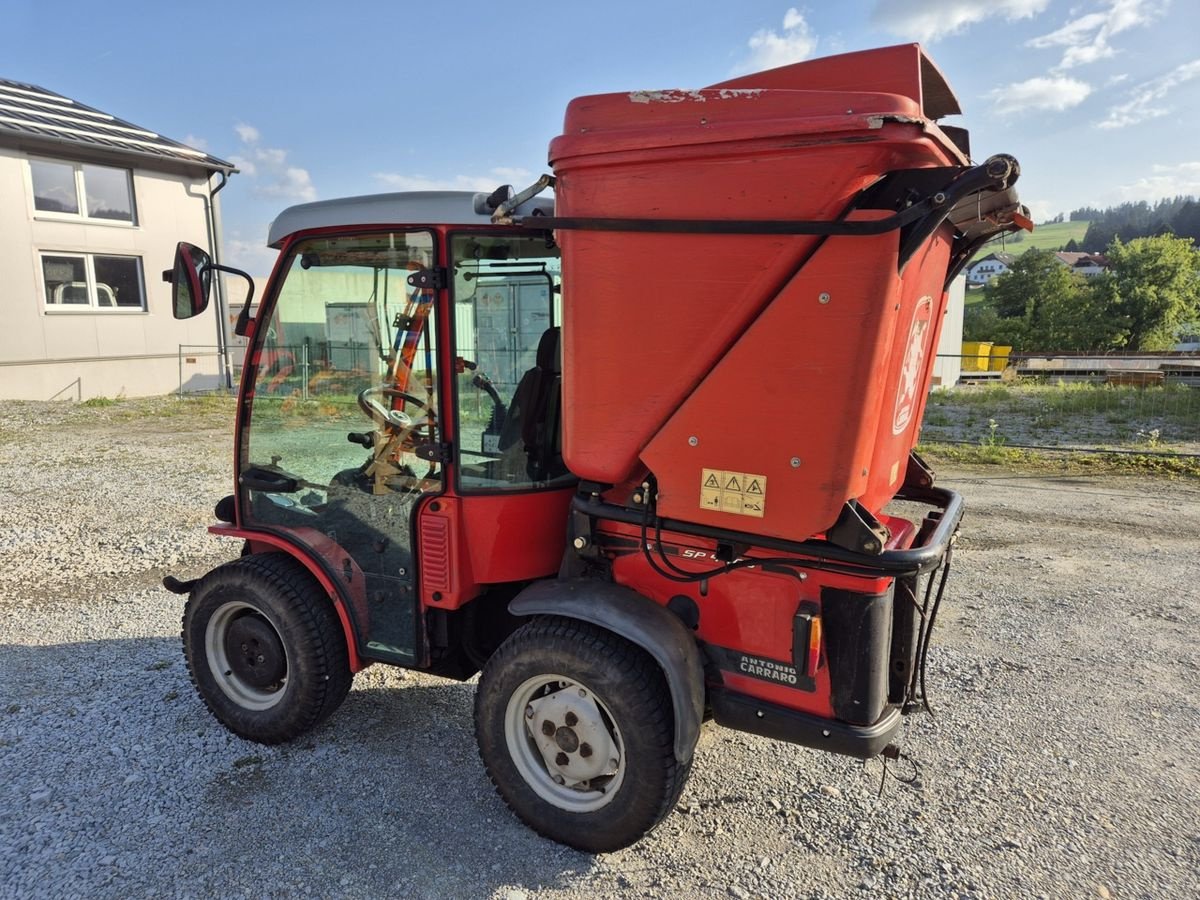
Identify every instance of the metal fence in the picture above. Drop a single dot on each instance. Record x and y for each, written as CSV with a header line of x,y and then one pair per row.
x,y
1147,404
200,369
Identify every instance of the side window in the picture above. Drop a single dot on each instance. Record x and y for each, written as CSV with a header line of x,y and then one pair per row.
x,y
90,281
82,190
507,301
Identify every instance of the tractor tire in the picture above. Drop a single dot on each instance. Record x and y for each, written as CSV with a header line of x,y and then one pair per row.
x,y
576,730
265,648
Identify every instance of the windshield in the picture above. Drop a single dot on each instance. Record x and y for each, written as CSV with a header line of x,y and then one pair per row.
x,y
349,349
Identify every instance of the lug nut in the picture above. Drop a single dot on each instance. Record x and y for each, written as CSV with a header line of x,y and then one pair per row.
x,y
571,719
548,728
585,750
562,759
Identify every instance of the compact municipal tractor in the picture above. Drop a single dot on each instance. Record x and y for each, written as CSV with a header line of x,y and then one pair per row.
x,y
628,452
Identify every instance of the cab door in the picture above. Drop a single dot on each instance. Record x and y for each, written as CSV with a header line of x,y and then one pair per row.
x,y
342,414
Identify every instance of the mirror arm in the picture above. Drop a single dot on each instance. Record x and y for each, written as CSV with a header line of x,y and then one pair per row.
x,y
242,326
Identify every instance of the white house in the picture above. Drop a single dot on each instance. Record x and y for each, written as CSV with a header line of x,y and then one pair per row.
x,y
91,208
1089,265
984,269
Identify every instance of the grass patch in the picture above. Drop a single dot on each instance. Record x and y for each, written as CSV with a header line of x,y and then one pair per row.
x,y
1065,462
99,402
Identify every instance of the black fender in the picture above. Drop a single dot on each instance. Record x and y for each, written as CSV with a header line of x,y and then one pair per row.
x,y
641,621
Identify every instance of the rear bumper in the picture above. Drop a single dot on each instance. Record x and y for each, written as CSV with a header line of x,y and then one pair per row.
x,y
744,713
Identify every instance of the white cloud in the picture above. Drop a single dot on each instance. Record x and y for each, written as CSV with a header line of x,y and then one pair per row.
x,y
493,179
770,48
1055,93
196,143
1087,38
253,256
1163,182
1145,100
929,20
278,179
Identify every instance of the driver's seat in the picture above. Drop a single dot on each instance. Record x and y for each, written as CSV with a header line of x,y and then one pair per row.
x,y
535,413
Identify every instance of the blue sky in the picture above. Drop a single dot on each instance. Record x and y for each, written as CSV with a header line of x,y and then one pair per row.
x,y
1099,99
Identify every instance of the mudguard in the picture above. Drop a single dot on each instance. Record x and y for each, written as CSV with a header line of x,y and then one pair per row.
x,y
642,622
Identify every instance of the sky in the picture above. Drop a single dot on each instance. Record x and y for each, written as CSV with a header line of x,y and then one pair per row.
x,y
1098,99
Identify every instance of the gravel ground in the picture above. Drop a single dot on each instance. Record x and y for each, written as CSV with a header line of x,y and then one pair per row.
x,y
1061,762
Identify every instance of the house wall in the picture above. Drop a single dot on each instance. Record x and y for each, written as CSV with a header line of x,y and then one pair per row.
x,y
88,353
947,367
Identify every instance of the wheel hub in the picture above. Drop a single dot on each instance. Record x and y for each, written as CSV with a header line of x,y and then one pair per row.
x,y
572,737
255,652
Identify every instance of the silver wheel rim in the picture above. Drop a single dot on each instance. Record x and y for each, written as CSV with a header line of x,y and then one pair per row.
x,y
237,689
565,743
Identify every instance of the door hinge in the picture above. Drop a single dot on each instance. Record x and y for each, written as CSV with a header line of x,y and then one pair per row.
x,y
434,452
429,279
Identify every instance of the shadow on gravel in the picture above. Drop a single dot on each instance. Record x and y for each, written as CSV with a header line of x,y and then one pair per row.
x,y
123,784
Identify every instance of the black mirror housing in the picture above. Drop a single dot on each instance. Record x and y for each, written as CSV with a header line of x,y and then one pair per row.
x,y
191,280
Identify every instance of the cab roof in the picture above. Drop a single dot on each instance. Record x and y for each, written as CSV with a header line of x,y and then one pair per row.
x,y
406,209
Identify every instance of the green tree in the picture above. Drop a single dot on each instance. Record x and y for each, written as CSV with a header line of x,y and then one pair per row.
x,y
1022,291
1081,319
1153,287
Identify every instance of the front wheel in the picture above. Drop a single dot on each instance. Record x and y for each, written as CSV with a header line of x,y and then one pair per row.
x,y
265,648
576,729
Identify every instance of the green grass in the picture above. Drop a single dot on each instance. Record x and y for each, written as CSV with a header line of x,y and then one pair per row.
x,y
1049,461
1044,237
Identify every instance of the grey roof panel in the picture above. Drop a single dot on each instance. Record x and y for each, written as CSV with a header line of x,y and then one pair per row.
x,y
410,208
27,110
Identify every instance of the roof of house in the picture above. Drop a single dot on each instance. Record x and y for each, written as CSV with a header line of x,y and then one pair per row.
x,y
36,114
1082,260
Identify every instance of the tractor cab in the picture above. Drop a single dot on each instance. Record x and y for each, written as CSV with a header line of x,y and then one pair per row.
x,y
402,387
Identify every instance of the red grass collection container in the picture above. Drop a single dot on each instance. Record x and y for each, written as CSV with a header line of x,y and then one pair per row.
x,y
796,364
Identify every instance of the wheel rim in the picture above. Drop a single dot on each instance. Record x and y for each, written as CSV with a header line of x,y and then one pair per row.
x,y
246,656
565,743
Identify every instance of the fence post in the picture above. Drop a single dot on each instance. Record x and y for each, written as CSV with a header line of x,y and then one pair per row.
x,y
304,370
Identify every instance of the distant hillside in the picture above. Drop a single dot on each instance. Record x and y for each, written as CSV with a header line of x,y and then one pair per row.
x,y
1045,237
1048,237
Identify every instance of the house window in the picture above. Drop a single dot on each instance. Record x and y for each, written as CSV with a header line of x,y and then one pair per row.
x,y
90,281
82,190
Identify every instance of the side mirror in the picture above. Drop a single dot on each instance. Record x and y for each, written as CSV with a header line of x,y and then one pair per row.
x,y
190,280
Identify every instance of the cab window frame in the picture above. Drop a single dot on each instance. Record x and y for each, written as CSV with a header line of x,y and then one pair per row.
x,y
453,236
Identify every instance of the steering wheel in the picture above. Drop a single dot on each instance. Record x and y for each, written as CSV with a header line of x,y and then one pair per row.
x,y
395,421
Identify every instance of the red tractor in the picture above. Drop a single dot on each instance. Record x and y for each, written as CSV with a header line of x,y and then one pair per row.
x,y
628,452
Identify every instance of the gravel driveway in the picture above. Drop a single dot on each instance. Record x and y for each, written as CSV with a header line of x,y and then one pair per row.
x,y
1061,763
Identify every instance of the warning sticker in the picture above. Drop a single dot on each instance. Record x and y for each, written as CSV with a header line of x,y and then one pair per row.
x,y
739,493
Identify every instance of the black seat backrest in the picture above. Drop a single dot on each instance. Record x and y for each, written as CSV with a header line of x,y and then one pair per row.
x,y
535,410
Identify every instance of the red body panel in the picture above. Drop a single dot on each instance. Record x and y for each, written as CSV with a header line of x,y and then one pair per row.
x,y
473,540
749,610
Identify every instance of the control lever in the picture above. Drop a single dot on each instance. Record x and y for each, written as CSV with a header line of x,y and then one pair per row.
x,y
364,438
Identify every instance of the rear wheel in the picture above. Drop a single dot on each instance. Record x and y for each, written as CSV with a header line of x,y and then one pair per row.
x,y
576,730
265,648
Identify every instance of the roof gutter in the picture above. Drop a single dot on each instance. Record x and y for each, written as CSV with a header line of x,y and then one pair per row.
x,y
212,214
